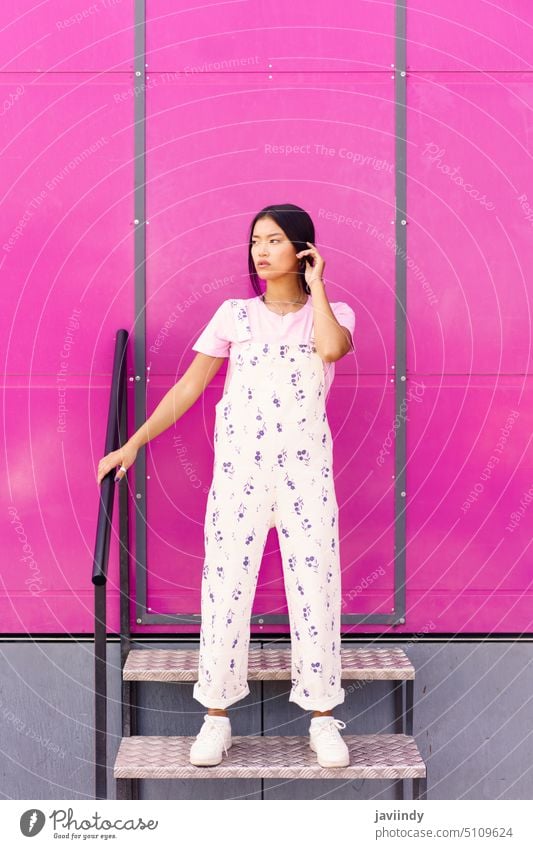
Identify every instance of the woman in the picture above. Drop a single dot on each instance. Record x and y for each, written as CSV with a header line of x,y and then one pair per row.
x,y
272,467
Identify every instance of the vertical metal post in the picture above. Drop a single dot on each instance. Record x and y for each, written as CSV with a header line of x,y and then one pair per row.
x,y
115,426
100,692
420,788
128,705
409,697
140,294
400,492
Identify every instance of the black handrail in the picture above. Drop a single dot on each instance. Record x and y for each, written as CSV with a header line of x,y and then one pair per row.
x,y
115,436
107,486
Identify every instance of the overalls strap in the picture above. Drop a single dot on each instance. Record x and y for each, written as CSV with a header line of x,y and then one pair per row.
x,y
242,327
240,316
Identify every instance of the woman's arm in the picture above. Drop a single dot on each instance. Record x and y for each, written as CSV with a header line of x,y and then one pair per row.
x,y
179,398
171,407
332,340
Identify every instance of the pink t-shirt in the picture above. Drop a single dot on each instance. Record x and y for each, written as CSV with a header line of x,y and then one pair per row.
x,y
267,326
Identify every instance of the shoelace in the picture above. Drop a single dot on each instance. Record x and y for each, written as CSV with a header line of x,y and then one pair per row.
x,y
212,725
330,728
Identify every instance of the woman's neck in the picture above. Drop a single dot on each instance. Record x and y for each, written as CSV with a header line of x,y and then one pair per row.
x,y
276,295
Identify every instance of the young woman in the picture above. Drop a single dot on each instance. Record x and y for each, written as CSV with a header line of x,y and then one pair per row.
x,y
272,467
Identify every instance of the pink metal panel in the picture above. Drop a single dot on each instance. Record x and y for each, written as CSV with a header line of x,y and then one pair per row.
x,y
249,36
469,483
204,170
451,35
50,500
67,263
67,223
60,35
470,211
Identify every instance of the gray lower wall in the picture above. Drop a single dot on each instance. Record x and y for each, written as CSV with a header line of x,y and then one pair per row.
x,y
472,722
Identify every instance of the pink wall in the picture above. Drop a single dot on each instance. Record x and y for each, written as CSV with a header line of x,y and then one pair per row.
x,y
224,88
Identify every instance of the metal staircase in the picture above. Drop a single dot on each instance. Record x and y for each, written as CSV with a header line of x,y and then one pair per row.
x,y
372,756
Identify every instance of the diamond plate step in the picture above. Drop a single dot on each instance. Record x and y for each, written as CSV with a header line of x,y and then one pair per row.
x,y
265,664
371,756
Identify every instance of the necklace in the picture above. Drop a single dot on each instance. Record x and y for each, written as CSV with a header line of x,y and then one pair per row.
x,y
283,302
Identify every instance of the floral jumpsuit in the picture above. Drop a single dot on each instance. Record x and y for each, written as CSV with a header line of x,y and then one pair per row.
x,y
273,466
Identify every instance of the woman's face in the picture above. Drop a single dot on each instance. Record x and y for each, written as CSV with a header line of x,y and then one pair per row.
x,y
271,245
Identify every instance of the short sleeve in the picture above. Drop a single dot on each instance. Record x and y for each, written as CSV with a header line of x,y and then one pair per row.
x,y
214,339
344,315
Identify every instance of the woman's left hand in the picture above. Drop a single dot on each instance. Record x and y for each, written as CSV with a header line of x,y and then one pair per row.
x,y
313,273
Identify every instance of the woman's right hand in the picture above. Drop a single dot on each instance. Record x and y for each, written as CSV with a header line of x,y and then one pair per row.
x,y
124,456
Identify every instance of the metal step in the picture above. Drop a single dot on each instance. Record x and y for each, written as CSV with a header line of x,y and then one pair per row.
x,y
371,756
267,664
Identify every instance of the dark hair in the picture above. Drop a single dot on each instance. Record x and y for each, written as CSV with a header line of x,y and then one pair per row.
x,y
297,225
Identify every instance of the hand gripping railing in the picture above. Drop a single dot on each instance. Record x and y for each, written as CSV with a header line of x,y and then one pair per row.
x,y
116,435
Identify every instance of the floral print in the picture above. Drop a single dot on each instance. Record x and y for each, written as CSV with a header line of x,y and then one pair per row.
x,y
273,466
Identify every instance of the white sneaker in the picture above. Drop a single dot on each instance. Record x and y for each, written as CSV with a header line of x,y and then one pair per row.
x,y
214,738
325,740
